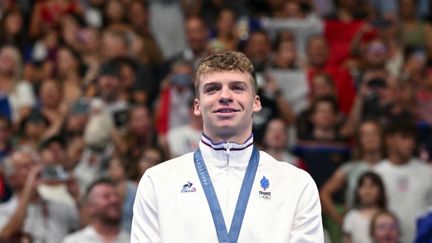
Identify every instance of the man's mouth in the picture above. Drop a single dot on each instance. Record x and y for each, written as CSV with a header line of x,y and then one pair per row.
x,y
226,110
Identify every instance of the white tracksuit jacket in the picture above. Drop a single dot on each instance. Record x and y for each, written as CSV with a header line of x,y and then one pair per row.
x,y
171,206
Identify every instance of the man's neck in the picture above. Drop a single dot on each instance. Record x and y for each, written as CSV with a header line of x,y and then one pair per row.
x,y
276,152
108,232
228,137
372,157
397,160
324,133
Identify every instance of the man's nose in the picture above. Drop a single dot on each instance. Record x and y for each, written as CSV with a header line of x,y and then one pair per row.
x,y
225,96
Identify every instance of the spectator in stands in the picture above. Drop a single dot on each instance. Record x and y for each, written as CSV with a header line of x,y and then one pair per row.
x,y
258,49
114,14
33,129
126,189
12,30
408,181
317,57
226,33
415,32
139,134
385,228
109,95
139,17
76,119
176,92
285,54
53,159
151,156
197,37
273,104
26,212
48,15
103,205
70,33
70,73
321,146
52,106
275,142
74,151
19,93
381,98
185,139
369,199
368,151
114,44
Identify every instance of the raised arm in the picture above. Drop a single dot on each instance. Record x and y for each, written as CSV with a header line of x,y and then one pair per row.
x,y
334,184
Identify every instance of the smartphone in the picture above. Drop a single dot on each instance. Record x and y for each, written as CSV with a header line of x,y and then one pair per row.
x,y
54,173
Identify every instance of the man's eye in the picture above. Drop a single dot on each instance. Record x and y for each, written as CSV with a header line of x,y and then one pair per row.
x,y
238,87
210,89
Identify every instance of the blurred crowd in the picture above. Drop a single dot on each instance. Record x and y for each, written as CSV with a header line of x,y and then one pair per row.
x,y
94,92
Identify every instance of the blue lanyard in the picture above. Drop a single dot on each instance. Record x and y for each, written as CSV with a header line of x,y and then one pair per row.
x,y
242,201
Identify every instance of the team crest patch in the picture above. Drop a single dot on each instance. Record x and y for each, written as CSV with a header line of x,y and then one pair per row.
x,y
265,184
188,187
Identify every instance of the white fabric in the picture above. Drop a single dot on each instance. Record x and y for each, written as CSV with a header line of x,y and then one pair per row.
x,y
22,96
49,227
89,235
409,191
179,107
163,213
183,139
166,23
294,87
357,225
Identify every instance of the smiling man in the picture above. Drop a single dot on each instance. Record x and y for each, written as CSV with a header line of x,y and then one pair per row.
x,y
226,191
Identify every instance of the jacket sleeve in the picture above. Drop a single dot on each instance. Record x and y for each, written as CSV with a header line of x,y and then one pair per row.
x,y
145,222
307,226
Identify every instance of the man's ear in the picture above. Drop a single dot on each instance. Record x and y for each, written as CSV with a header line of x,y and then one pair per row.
x,y
197,108
257,104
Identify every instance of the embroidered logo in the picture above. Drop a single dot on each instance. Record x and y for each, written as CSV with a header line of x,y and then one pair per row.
x,y
265,184
188,187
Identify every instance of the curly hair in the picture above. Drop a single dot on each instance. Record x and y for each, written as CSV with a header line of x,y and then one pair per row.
x,y
225,61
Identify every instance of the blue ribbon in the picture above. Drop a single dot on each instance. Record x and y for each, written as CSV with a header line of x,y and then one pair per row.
x,y
242,201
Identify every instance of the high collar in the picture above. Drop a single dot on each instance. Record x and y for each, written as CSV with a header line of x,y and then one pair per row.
x,y
227,146
226,154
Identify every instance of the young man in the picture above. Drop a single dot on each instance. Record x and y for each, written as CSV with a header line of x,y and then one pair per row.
x,y
104,209
408,180
227,191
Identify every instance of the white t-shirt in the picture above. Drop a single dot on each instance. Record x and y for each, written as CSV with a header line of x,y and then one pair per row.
x,y
182,140
357,225
45,225
22,96
89,235
171,206
409,191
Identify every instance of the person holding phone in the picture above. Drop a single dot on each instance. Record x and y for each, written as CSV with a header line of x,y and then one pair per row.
x,y
227,190
27,213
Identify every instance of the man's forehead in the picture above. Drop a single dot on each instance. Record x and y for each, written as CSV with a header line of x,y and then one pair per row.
x,y
227,76
20,158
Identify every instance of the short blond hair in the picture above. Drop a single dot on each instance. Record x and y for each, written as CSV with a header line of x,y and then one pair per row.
x,y
225,61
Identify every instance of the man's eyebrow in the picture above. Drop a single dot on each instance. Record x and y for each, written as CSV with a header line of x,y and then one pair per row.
x,y
210,84
238,82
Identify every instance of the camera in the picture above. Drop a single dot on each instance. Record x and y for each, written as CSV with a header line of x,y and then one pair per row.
x,y
54,173
377,83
